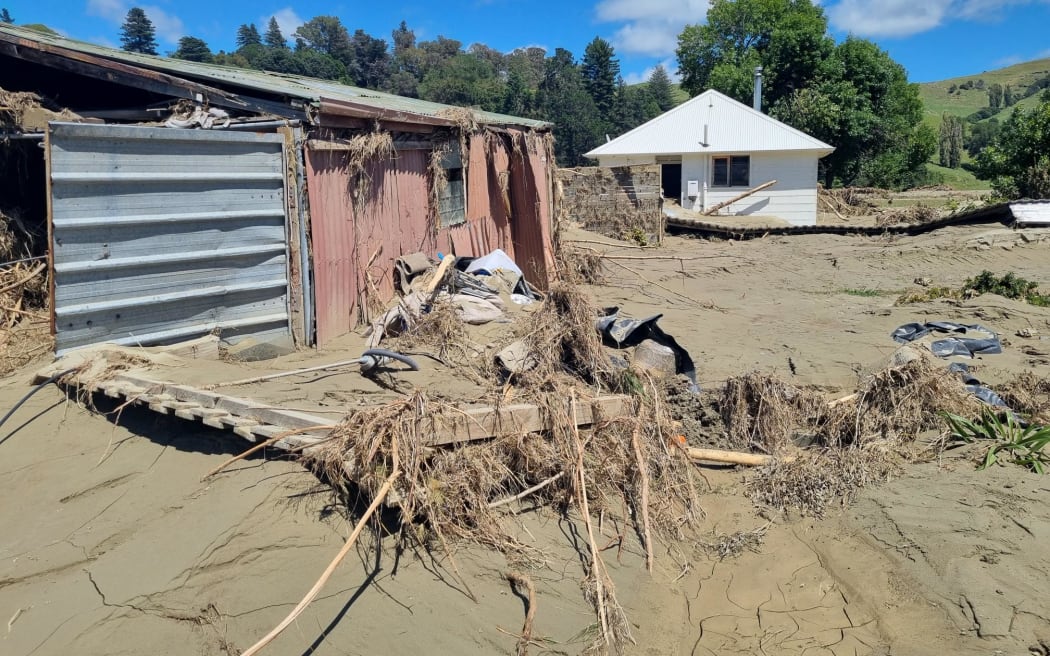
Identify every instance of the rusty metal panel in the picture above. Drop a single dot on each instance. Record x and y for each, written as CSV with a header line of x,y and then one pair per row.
x,y
530,208
160,235
333,240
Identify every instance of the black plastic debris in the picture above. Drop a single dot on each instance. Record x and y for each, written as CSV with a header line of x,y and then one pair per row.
x,y
624,332
987,343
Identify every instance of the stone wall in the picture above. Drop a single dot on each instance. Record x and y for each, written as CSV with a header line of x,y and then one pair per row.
x,y
622,203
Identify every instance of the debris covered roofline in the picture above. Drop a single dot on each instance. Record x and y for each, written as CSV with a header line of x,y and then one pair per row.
x,y
187,79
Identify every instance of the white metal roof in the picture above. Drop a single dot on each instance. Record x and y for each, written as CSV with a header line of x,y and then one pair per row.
x,y
711,123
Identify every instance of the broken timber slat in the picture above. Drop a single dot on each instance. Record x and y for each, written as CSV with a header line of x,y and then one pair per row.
x,y
234,405
253,421
482,423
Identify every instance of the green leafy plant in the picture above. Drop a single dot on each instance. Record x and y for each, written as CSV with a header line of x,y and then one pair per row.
x,y
1010,441
1009,286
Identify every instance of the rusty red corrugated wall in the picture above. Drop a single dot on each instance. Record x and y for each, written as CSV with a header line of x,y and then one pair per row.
x,y
508,207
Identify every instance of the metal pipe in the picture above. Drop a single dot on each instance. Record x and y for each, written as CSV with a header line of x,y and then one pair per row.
x,y
757,101
257,125
18,136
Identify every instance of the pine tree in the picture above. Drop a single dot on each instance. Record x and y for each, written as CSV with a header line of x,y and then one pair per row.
x,y
193,49
5,17
248,35
138,34
600,70
660,88
274,38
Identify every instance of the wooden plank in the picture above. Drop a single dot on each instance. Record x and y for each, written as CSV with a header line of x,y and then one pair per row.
x,y
295,274
247,417
482,423
241,407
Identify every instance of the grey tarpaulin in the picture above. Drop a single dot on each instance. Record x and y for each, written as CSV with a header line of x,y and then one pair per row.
x,y
975,387
986,344
623,332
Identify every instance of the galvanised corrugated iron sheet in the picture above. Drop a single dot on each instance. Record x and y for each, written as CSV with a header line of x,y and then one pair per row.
x,y
714,119
160,234
291,86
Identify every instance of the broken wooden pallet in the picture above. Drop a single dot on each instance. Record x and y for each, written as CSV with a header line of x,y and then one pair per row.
x,y
256,421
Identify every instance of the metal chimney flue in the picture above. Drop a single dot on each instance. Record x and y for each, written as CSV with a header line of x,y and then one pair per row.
x,y
757,102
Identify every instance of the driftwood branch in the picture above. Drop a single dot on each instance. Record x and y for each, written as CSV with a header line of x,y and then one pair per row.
x,y
765,185
263,445
350,541
283,374
524,493
734,457
525,582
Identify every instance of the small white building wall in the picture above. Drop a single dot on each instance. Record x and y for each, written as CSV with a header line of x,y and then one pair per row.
x,y
793,198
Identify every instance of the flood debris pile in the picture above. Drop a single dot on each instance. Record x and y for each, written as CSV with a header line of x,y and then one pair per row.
x,y
540,357
22,111
623,202
845,202
24,330
825,450
914,215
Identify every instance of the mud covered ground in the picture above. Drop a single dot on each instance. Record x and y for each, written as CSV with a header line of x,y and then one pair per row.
x,y
112,544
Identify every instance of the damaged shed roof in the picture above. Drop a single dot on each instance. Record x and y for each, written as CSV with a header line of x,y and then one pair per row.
x,y
213,81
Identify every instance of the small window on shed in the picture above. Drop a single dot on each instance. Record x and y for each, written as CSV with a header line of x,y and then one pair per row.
x,y
732,171
452,203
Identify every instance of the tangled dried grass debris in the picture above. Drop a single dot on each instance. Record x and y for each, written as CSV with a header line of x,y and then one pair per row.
x,y
915,215
858,441
819,479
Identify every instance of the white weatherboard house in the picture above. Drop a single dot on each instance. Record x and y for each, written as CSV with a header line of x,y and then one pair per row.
x,y
713,148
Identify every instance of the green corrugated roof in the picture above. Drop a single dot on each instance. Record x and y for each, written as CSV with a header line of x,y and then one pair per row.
x,y
290,86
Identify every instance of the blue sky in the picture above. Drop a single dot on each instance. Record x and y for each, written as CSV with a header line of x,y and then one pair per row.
x,y
934,39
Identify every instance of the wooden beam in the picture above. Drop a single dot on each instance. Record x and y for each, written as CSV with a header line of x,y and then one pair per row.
x,y
476,424
137,77
295,274
734,457
764,185
241,407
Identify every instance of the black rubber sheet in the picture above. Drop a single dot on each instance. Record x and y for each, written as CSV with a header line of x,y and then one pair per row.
x,y
967,341
624,332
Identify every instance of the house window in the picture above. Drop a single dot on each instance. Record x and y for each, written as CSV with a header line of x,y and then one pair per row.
x,y
452,205
732,171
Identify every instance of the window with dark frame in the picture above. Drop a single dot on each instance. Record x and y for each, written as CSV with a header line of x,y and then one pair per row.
x,y
734,171
452,204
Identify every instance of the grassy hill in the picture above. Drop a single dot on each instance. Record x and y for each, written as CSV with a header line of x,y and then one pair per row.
x,y
964,102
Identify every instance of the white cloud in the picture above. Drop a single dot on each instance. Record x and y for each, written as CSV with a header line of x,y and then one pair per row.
x,y
287,20
650,27
169,27
902,18
670,65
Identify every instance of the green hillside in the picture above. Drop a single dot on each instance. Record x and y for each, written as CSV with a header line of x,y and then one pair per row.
x,y
963,102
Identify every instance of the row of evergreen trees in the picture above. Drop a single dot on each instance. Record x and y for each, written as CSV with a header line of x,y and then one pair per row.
x,y
587,100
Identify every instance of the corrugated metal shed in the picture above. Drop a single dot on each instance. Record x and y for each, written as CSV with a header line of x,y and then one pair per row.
x,y
297,89
711,123
160,234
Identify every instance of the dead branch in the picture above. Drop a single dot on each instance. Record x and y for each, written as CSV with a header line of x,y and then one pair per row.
x,y
350,541
517,578
521,495
643,473
262,445
32,274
